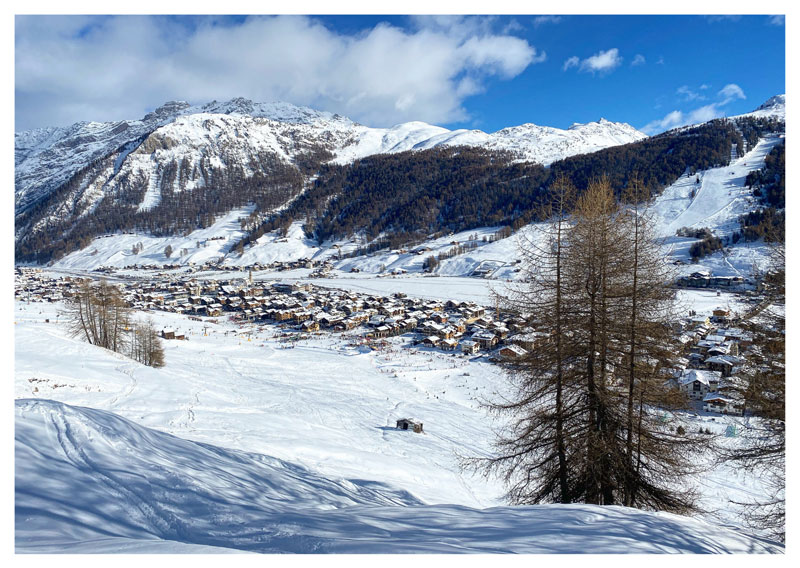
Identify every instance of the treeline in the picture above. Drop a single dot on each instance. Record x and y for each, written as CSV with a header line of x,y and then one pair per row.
x,y
59,224
769,185
459,188
416,194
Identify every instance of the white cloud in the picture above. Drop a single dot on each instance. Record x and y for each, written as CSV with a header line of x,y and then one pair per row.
x,y
571,62
687,94
678,118
75,68
777,20
638,60
541,20
600,62
731,92
705,113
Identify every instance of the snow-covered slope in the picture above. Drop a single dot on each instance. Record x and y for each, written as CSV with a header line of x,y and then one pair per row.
x,y
716,202
129,488
46,158
542,144
236,131
774,107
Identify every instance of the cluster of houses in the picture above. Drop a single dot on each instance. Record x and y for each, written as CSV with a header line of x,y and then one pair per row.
x,y
32,285
714,354
216,265
449,326
704,279
714,350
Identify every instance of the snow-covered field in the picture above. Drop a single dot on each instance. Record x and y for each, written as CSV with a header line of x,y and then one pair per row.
x,y
246,442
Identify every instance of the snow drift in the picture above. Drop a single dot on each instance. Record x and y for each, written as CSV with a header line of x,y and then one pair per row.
x,y
91,481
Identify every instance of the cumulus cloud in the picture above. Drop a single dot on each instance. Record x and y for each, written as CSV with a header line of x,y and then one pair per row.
x,y
600,62
70,68
777,20
677,118
638,60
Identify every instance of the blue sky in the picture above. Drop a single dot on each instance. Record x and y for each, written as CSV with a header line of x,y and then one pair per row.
x,y
654,72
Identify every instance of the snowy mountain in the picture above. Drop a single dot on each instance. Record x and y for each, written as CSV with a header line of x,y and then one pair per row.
x,y
240,131
774,107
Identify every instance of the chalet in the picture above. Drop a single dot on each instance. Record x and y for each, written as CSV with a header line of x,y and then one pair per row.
x,y
284,315
486,339
697,383
721,312
431,341
700,320
447,332
724,404
309,325
448,344
512,352
440,318
500,331
529,340
470,347
408,324
724,364
168,333
345,325
460,325
409,424
381,331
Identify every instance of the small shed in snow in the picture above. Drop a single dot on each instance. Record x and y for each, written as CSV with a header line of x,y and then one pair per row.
x,y
409,424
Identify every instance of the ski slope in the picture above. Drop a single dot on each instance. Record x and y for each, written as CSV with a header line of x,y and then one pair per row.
x,y
716,202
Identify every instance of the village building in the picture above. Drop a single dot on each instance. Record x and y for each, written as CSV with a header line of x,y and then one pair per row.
x,y
698,383
409,424
511,352
724,404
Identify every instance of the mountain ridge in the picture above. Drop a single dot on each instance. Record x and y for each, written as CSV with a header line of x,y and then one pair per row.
x,y
47,157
